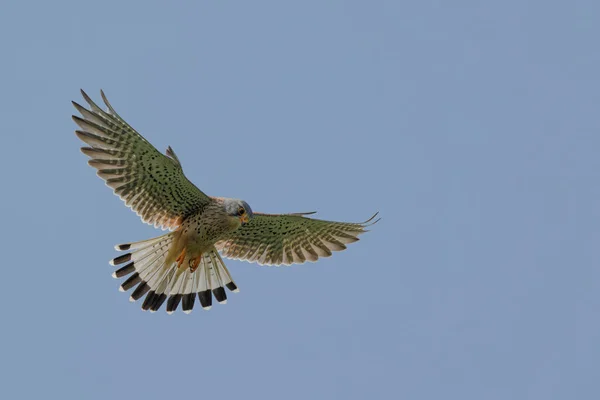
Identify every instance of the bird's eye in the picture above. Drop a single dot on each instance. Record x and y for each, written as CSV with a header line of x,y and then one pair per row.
x,y
241,211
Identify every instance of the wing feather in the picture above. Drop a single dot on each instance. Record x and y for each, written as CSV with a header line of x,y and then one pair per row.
x,y
150,183
276,239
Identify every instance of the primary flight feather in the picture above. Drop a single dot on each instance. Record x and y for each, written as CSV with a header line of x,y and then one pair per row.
x,y
185,263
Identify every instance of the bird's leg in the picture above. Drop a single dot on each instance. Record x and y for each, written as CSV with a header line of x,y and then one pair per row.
x,y
180,258
194,263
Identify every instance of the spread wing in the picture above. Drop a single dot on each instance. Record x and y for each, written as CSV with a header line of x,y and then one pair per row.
x,y
275,239
150,183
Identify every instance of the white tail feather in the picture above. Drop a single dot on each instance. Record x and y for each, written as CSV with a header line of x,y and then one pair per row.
x,y
159,281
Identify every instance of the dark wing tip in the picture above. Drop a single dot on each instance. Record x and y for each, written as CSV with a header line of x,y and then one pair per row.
x,y
85,96
370,221
77,105
77,118
105,100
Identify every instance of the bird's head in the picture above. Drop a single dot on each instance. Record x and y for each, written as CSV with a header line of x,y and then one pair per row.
x,y
239,210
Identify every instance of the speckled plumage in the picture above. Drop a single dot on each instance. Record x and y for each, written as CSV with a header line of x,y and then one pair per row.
x,y
276,239
184,264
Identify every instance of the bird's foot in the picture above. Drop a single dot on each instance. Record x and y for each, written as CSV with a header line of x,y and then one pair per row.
x,y
180,258
194,263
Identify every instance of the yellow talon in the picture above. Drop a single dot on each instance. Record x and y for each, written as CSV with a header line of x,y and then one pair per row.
x,y
195,262
180,258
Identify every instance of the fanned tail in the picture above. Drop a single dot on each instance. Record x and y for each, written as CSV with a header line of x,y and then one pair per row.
x,y
147,270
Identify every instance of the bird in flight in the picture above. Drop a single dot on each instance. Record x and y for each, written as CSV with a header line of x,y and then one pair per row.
x,y
186,262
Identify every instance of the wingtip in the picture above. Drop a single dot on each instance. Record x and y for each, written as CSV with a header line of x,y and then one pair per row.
x,y
370,221
85,96
104,97
187,311
110,108
114,275
207,308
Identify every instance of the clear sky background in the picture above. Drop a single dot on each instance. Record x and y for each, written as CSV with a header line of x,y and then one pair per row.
x,y
473,127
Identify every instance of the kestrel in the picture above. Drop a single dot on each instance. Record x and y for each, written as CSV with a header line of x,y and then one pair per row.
x,y
186,261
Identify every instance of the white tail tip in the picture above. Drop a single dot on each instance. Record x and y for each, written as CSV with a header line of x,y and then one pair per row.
x,y
187,311
207,308
121,289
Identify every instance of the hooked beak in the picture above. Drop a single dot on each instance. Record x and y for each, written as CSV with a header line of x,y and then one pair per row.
x,y
244,219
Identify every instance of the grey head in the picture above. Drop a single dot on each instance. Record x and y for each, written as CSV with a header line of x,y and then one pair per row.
x,y
238,208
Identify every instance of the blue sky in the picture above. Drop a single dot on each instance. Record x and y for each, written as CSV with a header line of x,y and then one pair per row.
x,y
473,127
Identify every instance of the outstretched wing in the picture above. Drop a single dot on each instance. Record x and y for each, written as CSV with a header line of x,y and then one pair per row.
x,y
150,183
275,239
